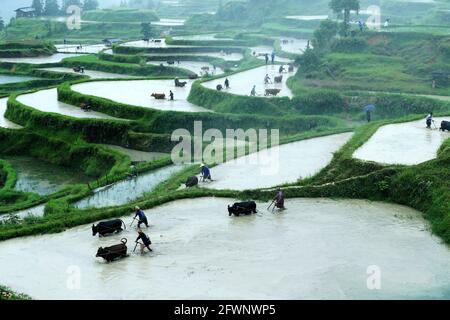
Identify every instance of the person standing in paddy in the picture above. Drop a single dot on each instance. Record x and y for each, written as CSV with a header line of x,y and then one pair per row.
x,y
142,217
227,83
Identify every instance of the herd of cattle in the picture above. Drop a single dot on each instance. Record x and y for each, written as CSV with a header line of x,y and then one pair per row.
x,y
120,250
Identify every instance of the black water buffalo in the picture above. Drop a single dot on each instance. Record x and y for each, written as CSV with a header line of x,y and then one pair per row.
x,y
247,207
191,182
108,227
445,125
114,252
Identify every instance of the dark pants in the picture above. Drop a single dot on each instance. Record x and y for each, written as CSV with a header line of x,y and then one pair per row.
x,y
429,124
143,221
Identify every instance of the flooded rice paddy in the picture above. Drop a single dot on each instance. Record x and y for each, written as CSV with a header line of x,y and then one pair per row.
x,y
243,82
233,56
90,73
128,190
405,143
41,177
279,165
37,211
317,249
86,49
169,22
261,51
47,101
58,57
6,79
138,93
293,45
201,37
198,67
5,123
308,18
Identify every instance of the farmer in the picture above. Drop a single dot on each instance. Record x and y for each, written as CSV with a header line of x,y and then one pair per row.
x,y
267,58
171,95
253,93
146,242
142,217
227,83
281,70
273,57
267,79
205,172
279,200
429,120
369,115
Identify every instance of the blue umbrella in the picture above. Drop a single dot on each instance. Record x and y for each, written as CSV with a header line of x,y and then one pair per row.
x,y
369,107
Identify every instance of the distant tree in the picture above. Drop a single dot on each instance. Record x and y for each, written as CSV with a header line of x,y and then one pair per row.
x,y
90,5
38,7
146,30
123,4
324,35
339,6
142,4
2,24
51,8
68,3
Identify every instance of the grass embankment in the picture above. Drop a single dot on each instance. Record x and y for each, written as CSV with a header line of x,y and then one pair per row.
x,y
22,49
7,294
120,15
389,62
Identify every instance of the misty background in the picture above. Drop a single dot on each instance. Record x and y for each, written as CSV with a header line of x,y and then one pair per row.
x,y
7,7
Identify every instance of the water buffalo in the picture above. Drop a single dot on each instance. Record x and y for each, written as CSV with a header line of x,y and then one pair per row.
x,y
291,68
159,96
445,125
278,79
114,252
247,207
219,87
170,62
272,92
191,182
179,83
108,227
193,76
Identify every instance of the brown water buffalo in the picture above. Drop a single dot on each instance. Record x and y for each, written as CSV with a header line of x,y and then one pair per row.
x,y
291,68
159,96
179,83
272,92
114,252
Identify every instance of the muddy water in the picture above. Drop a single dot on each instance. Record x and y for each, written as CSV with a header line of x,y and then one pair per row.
x,y
138,93
128,190
234,56
47,101
5,79
37,211
308,18
293,45
317,249
91,73
41,177
201,37
284,164
243,82
194,66
138,156
261,51
405,143
169,22
5,123
71,48
58,57
151,44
